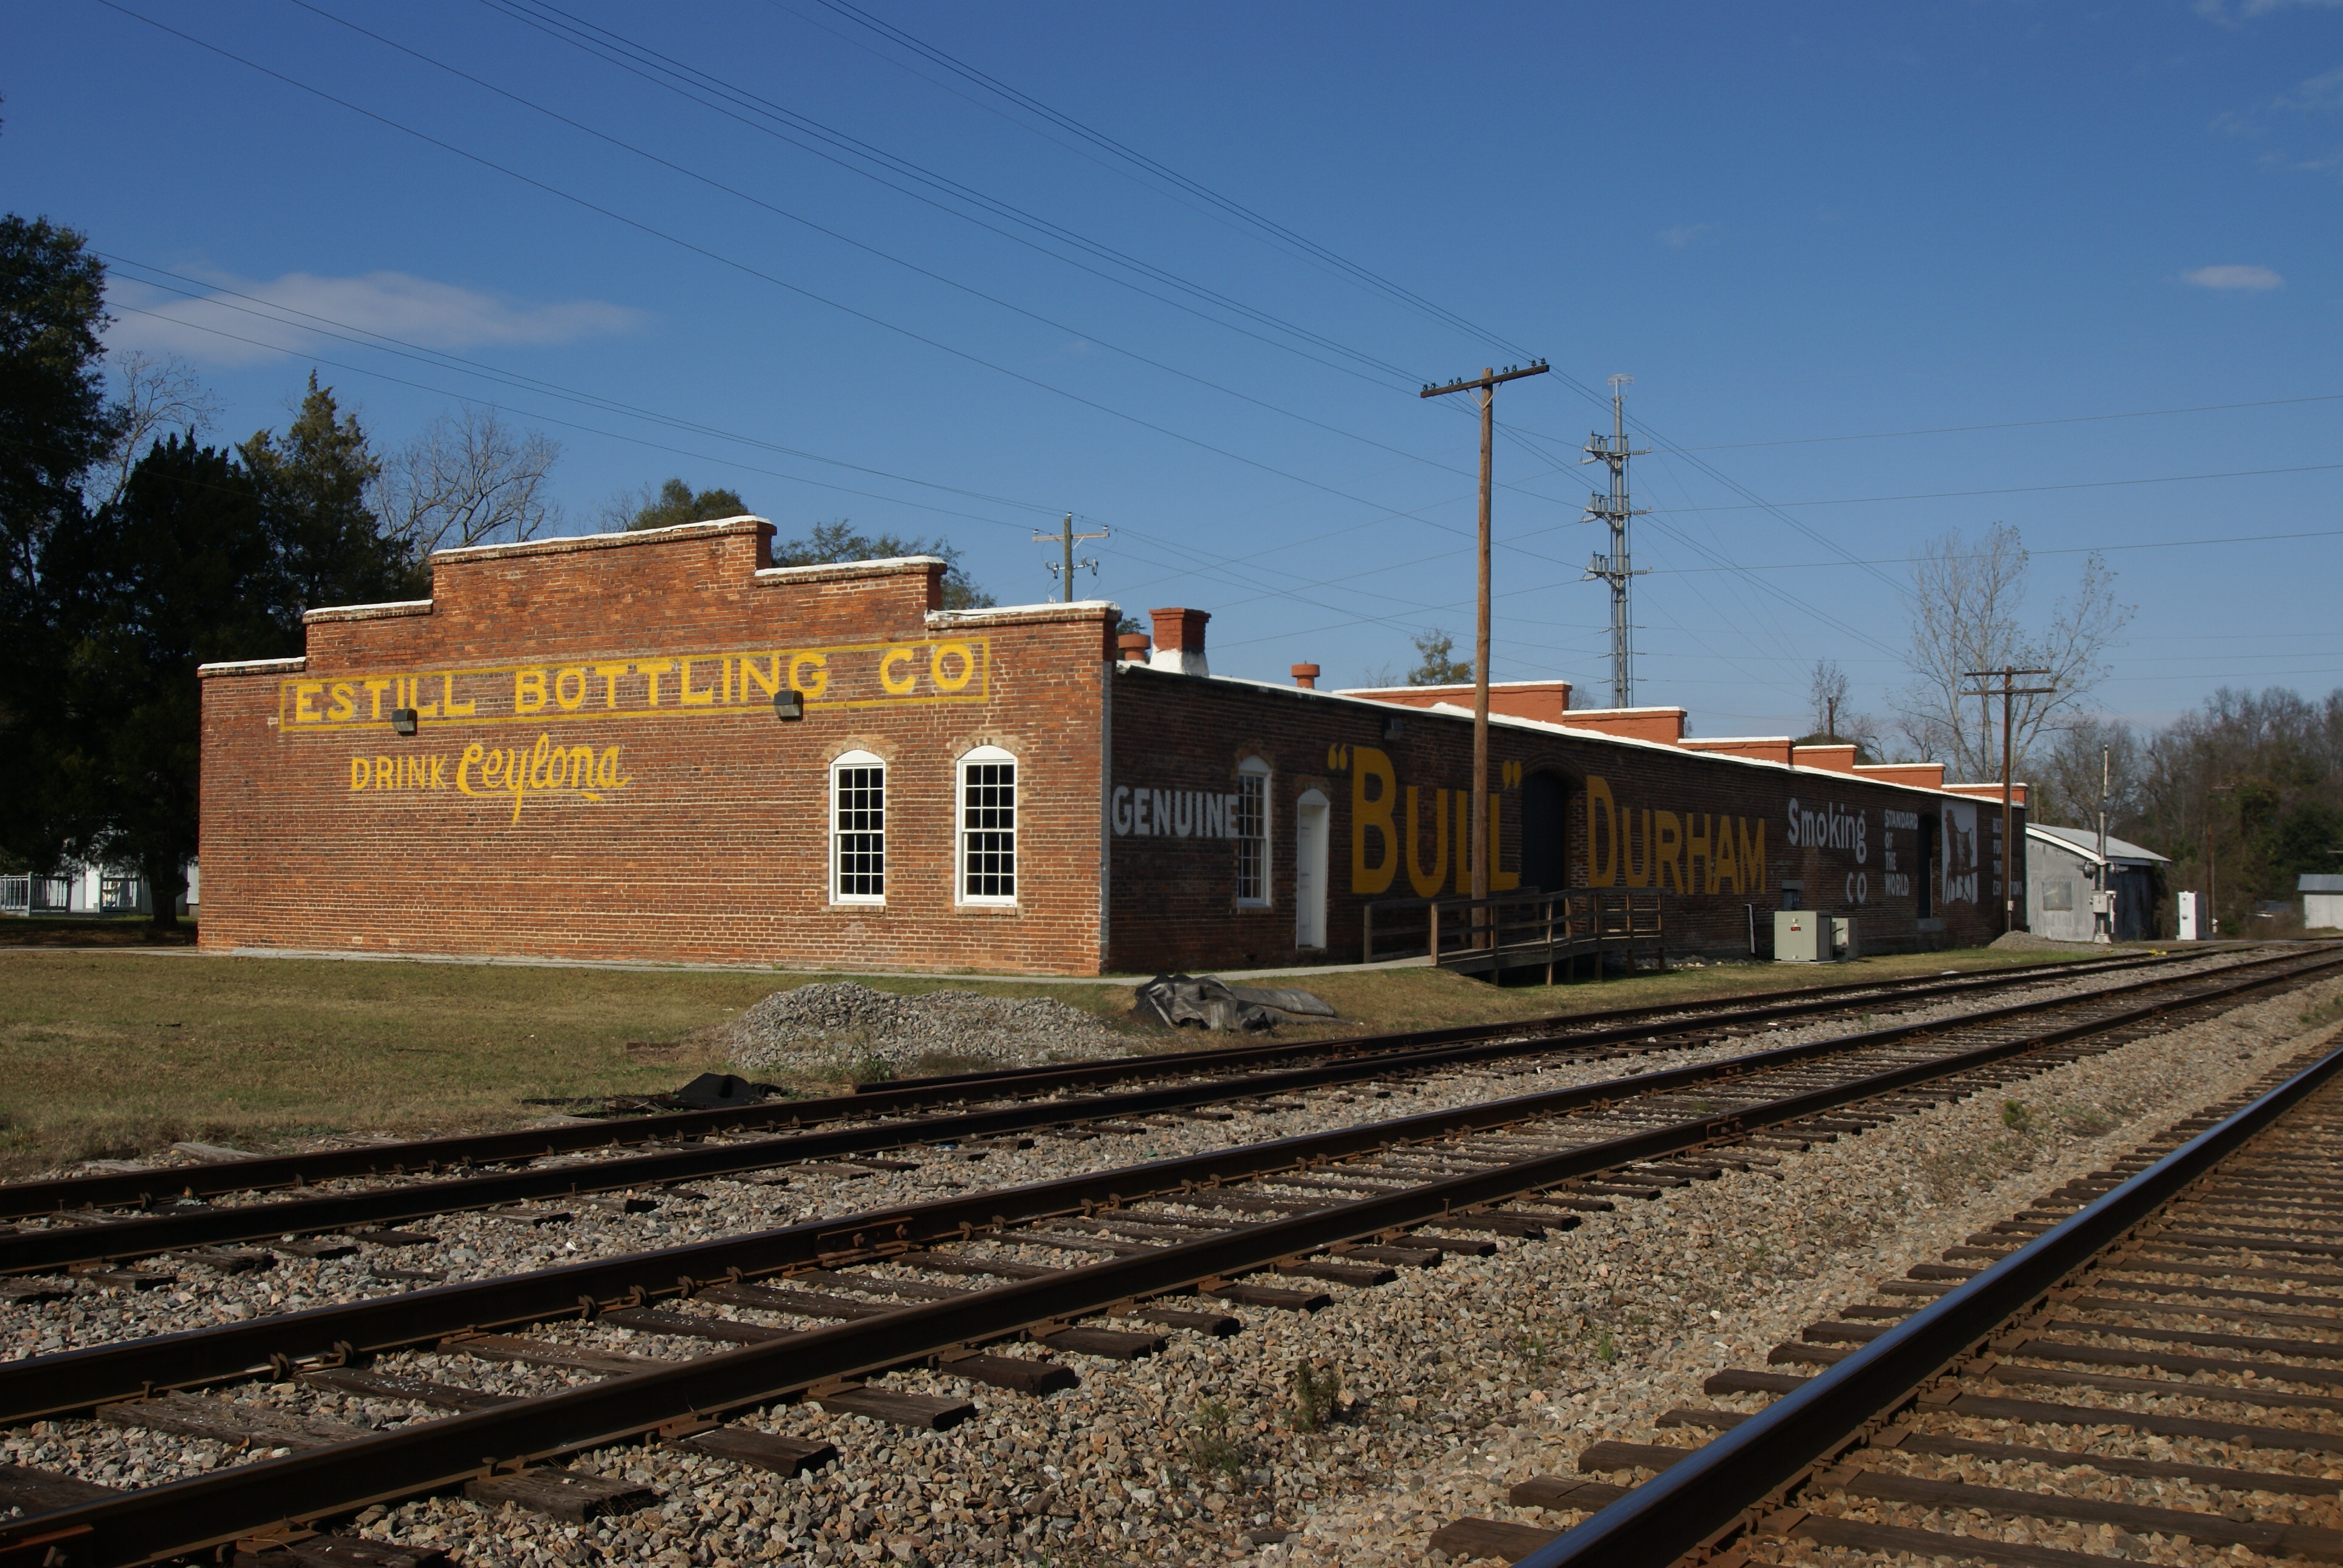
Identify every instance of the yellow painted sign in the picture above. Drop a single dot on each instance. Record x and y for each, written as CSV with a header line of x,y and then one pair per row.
x,y
625,687
1682,852
547,768
1377,798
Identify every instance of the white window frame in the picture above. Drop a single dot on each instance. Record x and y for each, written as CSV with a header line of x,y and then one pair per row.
x,y
1253,768
836,835
984,756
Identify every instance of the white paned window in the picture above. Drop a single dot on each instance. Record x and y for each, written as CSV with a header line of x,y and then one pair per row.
x,y
988,827
1250,829
858,829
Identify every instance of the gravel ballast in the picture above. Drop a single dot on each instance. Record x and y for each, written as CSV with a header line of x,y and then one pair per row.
x,y
476,1245
1437,1392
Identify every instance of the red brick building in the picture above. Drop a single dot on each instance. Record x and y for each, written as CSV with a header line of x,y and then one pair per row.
x,y
658,746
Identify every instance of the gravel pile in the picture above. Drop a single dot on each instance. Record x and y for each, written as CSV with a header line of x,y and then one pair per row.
x,y
838,1026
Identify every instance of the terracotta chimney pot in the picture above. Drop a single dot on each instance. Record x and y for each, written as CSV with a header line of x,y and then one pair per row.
x,y
1134,646
1305,676
1179,641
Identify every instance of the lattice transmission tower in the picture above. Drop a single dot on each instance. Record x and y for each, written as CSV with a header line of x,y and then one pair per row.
x,y
1616,569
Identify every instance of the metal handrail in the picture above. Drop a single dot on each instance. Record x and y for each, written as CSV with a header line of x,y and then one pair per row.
x,y
1704,1495
1530,923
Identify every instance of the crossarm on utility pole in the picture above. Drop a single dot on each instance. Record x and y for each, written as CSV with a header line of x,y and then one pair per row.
x,y
1477,852
2008,691
1067,538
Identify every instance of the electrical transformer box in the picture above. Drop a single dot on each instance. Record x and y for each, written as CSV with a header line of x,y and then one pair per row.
x,y
1801,936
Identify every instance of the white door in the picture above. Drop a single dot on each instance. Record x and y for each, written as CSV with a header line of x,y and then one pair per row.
x,y
1309,870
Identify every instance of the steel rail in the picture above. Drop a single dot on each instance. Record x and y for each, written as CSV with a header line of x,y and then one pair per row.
x,y
77,1380
1707,1495
302,1488
23,1200
1803,999
66,1246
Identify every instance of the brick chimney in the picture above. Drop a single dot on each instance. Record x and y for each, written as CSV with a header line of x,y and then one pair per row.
x,y
1179,641
1305,676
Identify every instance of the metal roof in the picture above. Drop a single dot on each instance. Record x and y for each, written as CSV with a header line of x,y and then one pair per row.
x,y
2311,882
2084,842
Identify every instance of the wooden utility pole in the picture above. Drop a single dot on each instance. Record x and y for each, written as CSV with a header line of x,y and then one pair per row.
x,y
1486,385
2209,923
2010,851
1069,538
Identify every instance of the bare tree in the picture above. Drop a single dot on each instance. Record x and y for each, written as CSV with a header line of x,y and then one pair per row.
x,y
1835,720
2066,776
158,396
466,480
1966,605
1828,694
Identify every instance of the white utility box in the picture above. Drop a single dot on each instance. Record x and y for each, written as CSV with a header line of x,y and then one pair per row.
x,y
1801,937
2188,917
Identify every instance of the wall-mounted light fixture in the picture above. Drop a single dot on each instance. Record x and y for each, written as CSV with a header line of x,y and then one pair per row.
x,y
789,707
402,720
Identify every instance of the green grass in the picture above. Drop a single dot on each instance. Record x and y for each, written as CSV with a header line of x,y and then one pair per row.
x,y
121,1053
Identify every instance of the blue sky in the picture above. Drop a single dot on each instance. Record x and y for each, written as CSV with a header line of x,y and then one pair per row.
x,y
2003,223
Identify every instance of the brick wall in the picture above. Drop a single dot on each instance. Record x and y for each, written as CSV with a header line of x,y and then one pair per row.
x,y
1171,894
598,771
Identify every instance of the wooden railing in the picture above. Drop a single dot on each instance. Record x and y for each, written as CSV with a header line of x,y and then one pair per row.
x,y
1520,930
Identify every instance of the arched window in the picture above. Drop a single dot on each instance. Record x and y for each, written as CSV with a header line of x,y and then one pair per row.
x,y
988,827
858,829
1251,830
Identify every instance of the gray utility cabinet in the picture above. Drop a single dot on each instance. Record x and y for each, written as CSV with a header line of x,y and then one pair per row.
x,y
1811,936
1801,936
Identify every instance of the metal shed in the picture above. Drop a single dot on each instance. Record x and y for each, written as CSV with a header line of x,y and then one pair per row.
x,y
2063,871
2322,900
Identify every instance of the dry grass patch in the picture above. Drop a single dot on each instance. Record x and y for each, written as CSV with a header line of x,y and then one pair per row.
x,y
117,1054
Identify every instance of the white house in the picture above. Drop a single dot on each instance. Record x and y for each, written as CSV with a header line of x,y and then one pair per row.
x,y
78,889
2322,900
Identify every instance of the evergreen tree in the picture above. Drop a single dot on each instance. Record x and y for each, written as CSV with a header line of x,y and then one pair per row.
x,y
677,502
53,417
313,484
53,423
183,568
1438,665
832,542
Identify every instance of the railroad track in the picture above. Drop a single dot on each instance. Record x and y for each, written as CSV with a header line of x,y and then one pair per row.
x,y
986,1287
81,1222
307,1167
2148,1360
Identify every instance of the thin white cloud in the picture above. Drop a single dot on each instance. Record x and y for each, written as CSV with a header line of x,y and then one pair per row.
x,y
2324,91
246,322
1685,233
2247,10
2254,278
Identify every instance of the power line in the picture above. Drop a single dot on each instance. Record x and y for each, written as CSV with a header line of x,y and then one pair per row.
x,y
750,109
327,327
2015,424
868,249
2027,490
436,358
2061,550
890,325
1286,238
